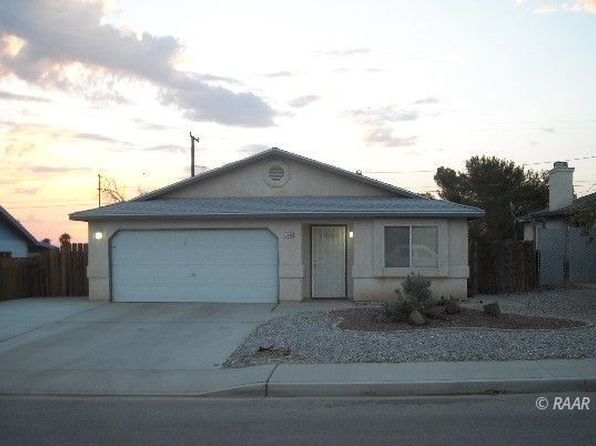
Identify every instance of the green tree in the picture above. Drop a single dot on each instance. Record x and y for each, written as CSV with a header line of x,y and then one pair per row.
x,y
584,215
502,189
64,239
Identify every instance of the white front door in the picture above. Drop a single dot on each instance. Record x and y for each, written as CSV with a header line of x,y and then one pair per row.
x,y
328,263
203,265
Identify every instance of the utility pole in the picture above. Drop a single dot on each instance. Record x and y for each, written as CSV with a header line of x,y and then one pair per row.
x,y
98,190
192,154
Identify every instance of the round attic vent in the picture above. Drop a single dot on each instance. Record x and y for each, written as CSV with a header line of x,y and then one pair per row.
x,y
276,173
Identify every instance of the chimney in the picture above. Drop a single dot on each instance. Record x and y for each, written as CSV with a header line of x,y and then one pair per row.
x,y
560,186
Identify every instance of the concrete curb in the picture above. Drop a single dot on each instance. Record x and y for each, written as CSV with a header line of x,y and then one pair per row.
x,y
314,380
438,388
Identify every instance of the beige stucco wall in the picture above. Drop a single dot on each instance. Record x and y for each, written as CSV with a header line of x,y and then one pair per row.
x,y
367,278
304,180
372,281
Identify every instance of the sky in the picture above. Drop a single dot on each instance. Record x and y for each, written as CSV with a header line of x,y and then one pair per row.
x,y
389,87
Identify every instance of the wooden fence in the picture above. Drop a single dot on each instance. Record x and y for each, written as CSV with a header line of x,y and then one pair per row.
x,y
53,273
502,267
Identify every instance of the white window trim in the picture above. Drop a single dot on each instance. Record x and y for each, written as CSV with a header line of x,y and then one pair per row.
x,y
442,268
411,244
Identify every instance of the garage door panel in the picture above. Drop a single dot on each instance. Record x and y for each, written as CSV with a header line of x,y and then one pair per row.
x,y
195,265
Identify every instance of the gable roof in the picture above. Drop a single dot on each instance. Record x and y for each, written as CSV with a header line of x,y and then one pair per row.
x,y
274,151
564,211
20,230
279,207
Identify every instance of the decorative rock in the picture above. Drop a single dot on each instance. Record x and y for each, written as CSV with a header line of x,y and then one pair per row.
x,y
492,310
452,306
416,318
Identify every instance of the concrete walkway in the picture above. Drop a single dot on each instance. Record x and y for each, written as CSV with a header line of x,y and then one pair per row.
x,y
436,378
74,347
313,380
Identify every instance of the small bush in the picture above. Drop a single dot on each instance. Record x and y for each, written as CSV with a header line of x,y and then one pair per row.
x,y
417,292
416,295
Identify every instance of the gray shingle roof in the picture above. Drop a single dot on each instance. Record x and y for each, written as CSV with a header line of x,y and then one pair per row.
x,y
18,228
280,207
564,211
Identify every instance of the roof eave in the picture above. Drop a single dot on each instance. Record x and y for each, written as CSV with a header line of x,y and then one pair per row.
x,y
282,215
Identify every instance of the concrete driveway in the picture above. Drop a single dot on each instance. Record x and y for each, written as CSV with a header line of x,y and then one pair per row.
x,y
72,346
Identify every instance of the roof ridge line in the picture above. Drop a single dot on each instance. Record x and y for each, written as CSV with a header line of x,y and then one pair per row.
x,y
264,154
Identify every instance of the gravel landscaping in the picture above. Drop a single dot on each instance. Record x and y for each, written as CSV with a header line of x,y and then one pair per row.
x,y
318,336
364,319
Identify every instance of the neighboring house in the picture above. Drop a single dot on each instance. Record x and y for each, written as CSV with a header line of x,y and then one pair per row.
x,y
275,227
565,253
15,240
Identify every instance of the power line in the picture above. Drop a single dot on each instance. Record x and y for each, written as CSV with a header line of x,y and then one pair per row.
x,y
581,158
401,171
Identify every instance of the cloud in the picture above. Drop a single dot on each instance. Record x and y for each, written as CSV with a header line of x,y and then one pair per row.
x,y
303,101
427,101
384,136
384,114
546,9
21,97
19,148
575,6
96,137
26,190
378,125
253,148
56,169
346,52
68,45
280,74
20,139
166,148
146,125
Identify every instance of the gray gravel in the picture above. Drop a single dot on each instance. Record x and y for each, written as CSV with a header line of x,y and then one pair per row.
x,y
312,337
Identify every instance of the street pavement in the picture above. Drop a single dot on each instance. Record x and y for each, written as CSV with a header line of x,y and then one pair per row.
x,y
462,420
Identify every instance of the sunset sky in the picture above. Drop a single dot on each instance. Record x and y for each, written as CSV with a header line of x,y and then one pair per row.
x,y
393,88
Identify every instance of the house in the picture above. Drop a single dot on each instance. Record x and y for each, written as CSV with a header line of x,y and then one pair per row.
x,y
565,253
273,227
15,240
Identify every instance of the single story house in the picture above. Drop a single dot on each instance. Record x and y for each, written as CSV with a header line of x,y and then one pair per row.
x,y
273,227
15,240
565,253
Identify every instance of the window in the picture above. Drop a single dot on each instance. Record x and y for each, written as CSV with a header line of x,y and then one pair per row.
x,y
411,246
397,246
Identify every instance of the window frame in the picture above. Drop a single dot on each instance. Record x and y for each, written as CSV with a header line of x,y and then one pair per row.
x,y
410,227
442,268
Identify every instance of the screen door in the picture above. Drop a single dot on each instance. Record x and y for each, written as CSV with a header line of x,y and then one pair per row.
x,y
328,261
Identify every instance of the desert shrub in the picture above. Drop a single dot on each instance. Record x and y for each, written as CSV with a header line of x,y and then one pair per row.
x,y
414,295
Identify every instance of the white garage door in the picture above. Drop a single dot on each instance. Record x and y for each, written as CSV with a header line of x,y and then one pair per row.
x,y
231,265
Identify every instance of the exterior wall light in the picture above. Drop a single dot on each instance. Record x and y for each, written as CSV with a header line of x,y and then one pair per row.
x,y
98,235
351,234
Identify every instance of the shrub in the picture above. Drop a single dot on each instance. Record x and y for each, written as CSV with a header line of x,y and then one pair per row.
x,y
416,295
